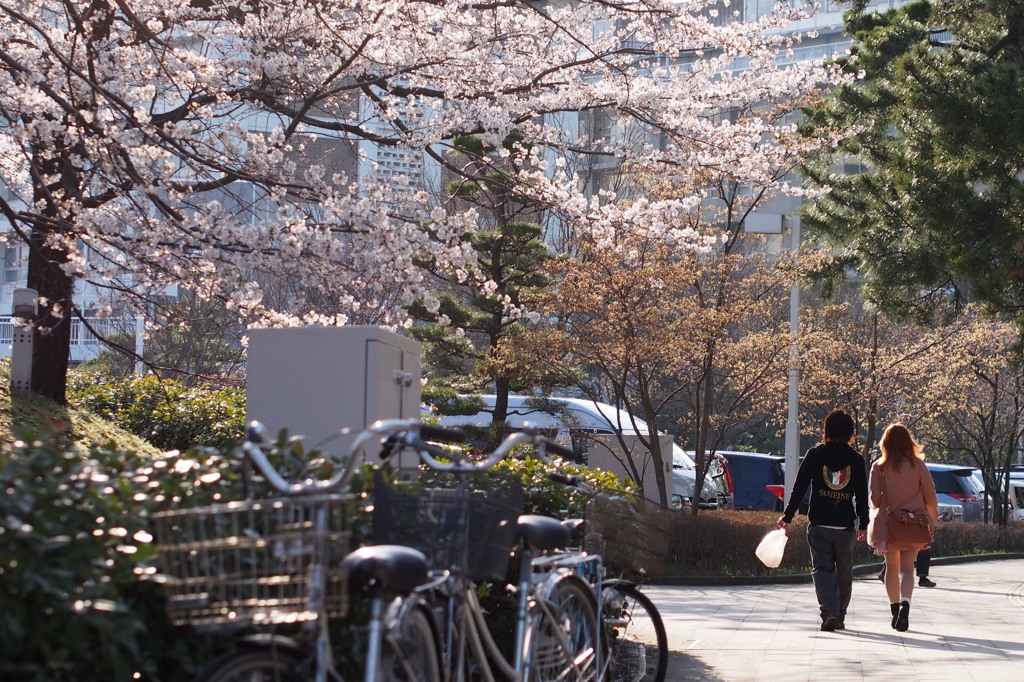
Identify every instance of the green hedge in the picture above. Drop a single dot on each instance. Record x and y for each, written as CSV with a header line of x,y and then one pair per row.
x,y
74,538
165,412
722,543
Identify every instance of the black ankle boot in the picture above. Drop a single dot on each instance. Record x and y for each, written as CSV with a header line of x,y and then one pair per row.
x,y
903,619
895,608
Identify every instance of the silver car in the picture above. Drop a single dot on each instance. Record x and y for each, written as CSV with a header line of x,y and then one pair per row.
x,y
684,482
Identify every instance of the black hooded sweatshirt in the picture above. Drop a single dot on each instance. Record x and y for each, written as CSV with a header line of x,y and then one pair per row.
x,y
836,474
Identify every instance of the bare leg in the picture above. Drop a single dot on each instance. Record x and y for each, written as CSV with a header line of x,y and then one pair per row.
x,y
892,575
907,560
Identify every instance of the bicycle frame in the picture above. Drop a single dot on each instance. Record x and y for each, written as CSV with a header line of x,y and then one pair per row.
x,y
467,637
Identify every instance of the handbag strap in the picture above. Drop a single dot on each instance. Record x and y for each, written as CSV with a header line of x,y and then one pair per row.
x,y
881,471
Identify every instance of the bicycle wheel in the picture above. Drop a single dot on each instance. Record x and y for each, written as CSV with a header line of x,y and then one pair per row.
x,y
256,665
562,640
637,642
409,653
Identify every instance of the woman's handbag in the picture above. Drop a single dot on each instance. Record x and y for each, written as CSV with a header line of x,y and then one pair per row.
x,y
906,526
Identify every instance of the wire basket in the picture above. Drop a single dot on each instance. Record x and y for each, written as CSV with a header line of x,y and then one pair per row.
x,y
254,562
470,529
632,535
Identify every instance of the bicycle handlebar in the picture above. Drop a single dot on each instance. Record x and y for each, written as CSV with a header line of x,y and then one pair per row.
x,y
544,446
413,435
395,435
255,436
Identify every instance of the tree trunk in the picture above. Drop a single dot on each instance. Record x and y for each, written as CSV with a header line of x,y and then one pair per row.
x,y
51,349
501,390
704,428
657,454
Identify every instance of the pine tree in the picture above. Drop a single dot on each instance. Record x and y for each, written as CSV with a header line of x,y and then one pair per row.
x,y
467,328
929,203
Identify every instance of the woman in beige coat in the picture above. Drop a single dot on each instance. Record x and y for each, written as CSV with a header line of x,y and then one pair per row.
x,y
899,480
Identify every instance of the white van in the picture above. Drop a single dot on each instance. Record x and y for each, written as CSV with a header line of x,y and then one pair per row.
x,y
580,418
1016,499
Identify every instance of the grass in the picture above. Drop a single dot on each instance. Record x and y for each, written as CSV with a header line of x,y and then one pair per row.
x,y
44,418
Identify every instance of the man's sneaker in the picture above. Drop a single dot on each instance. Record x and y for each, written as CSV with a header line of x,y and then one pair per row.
x,y
923,581
830,624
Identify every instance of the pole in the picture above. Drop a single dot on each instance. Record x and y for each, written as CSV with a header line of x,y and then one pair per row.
x,y
140,334
23,317
793,420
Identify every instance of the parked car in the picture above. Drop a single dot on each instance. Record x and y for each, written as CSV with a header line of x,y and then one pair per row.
x,y
949,511
1016,499
757,479
955,484
684,478
581,419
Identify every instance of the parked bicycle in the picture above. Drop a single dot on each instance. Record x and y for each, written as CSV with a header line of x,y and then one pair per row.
x,y
282,561
631,535
468,530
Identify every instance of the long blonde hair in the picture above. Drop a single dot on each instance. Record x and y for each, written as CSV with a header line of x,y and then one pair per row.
x,y
898,446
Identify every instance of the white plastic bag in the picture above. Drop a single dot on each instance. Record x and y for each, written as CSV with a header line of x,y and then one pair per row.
x,y
770,549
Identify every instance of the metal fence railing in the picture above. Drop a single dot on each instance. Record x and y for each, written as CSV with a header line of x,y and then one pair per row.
x,y
81,335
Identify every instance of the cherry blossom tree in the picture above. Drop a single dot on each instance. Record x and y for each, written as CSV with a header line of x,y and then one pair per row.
x,y
877,369
662,330
979,417
214,145
958,386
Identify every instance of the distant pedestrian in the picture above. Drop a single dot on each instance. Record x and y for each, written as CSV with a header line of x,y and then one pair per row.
x,y
899,480
835,473
922,564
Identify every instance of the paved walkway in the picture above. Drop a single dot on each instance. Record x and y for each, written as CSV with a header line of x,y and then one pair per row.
x,y
970,627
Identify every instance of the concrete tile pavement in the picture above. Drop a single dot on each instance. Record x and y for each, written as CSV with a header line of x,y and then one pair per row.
x,y
968,628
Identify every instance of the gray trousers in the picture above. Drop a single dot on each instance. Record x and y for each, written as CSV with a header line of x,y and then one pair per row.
x,y
832,568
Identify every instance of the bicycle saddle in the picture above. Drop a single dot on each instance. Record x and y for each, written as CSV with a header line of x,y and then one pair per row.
x,y
543,532
393,568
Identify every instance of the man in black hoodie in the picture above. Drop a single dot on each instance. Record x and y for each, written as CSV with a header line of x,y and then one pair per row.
x,y
837,476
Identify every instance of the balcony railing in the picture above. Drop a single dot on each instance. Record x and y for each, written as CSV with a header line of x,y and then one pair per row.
x,y
84,343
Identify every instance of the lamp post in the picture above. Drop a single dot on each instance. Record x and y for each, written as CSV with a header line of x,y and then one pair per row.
x,y
793,420
774,224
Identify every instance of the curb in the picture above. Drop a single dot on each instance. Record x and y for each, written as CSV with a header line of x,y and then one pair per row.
x,y
861,570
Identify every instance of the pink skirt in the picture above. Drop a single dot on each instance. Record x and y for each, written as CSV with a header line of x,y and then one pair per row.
x,y
886,546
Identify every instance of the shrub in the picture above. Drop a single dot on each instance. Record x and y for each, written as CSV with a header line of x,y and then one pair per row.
x,y
166,413
69,598
550,498
74,546
722,543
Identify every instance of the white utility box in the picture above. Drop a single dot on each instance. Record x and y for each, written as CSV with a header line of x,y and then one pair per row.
x,y
320,381
605,452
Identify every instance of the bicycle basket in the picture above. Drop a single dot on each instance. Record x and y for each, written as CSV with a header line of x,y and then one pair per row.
x,y
254,562
631,534
470,530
